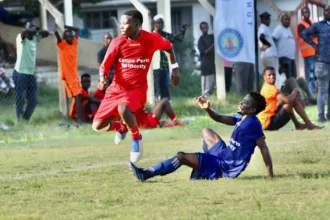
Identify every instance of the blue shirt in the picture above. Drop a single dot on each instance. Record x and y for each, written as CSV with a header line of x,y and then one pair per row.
x,y
236,156
322,31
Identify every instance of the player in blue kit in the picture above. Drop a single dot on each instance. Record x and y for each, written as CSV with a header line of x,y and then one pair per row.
x,y
219,160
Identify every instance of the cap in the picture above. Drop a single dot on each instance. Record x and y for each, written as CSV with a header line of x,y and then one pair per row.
x,y
265,14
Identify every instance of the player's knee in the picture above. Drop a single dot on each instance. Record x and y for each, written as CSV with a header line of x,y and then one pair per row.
x,y
180,156
98,127
205,132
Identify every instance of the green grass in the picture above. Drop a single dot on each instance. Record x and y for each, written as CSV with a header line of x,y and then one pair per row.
x,y
49,173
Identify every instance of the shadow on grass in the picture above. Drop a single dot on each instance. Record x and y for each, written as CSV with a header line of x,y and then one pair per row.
x,y
301,175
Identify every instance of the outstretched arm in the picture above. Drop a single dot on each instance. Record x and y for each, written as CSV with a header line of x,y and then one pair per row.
x,y
26,32
75,29
206,106
176,38
305,34
266,156
93,100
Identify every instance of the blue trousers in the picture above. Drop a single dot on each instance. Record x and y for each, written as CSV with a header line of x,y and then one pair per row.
x,y
310,73
163,79
26,89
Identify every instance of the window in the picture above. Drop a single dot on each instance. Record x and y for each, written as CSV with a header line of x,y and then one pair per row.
x,y
99,19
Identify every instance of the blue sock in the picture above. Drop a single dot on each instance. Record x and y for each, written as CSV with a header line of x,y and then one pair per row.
x,y
162,168
204,146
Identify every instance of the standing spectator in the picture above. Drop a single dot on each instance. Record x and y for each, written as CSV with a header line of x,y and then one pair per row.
x,y
322,66
24,71
228,74
164,73
107,38
68,49
207,58
286,46
244,77
268,54
307,51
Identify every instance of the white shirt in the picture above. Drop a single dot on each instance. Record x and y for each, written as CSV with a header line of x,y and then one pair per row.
x,y
285,42
271,51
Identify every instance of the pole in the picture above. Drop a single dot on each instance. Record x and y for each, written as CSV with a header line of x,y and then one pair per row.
x,y
256,49
68,12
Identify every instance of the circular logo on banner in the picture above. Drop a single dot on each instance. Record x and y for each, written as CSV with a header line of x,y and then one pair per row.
x,y
230,42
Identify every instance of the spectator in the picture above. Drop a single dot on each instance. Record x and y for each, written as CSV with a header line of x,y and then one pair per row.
x,y
244,77
279,107
290,84
286,46
228,74
207,58
107,38
322,66
307,51
24,70
89,103
68,49
163,74
268,54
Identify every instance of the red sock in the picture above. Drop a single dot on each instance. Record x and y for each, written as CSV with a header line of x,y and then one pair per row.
x,y
173,118
118,126
135,132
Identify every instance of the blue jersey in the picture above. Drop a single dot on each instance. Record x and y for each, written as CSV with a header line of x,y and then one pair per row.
x,y
235,157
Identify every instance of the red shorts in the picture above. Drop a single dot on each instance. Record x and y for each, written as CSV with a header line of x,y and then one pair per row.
x,y
134,99
145,119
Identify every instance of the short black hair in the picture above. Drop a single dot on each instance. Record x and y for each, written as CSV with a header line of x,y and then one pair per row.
x,y
135,14
260,101
268,68
85,75
203,22
306,7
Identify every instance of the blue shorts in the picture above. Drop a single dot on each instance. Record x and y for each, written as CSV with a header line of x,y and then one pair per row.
x,y
209,163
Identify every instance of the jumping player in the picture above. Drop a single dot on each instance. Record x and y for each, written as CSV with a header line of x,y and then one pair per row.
x,y
131,53
218,159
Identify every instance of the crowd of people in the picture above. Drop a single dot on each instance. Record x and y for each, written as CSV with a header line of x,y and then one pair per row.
x,y
119,101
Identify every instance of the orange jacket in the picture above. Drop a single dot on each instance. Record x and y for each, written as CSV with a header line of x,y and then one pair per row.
x,y
306,49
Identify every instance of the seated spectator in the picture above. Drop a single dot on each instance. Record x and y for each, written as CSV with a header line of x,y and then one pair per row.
x,y
292,83
279,107
89,103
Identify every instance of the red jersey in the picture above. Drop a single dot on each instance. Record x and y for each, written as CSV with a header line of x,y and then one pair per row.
x,y
99,94
132,59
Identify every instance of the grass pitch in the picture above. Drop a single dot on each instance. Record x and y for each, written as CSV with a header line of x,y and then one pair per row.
x,y
49,173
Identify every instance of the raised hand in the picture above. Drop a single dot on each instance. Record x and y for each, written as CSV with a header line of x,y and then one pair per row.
x,y
203,102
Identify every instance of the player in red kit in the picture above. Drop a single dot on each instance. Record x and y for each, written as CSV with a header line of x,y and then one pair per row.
x,y
131,53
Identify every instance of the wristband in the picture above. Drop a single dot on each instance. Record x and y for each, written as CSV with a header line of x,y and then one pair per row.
x,y
174,65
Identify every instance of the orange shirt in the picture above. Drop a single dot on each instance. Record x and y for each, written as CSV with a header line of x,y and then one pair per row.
x,y
69,60
270,93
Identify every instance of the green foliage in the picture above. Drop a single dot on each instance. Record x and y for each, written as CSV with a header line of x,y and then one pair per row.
x,y
185,52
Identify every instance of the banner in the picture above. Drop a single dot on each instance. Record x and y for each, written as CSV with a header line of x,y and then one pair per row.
x,y
234,30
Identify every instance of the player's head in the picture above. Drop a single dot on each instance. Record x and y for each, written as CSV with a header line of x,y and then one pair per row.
x,y
305,12
85,81
30,28
265,18
270,75
252,104
204,27
130,22
107,38
159,22
327,12
68,36
285,20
